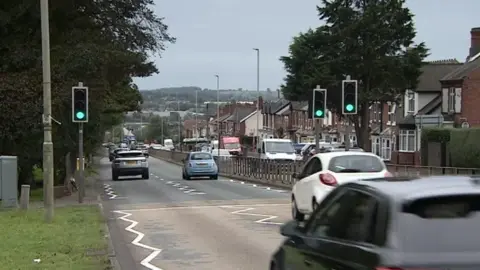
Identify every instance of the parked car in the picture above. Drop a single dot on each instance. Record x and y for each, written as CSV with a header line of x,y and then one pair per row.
x,y
144,149
389,224
324,171
199,164
130,163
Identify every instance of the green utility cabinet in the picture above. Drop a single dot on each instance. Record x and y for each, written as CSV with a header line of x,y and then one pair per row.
x,y
8,181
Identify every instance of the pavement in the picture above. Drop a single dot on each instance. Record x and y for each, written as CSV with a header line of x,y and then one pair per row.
x,y
166,223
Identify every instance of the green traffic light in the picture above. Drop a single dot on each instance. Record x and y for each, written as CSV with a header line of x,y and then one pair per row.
x,y
318,113
349,107
80,115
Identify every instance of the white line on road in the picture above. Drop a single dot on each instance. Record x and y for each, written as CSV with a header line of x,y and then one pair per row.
x,y
203,206
264,220
155,251
109,191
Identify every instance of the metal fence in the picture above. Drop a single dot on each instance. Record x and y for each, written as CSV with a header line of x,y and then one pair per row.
x,y
280,173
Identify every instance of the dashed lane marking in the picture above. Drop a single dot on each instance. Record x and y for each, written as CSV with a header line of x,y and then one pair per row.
x,y
154,251
233,206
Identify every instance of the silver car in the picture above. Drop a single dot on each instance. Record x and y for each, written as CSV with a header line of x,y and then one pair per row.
x,y
130,163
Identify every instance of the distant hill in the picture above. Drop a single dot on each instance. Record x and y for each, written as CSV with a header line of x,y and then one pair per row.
x,y
169,98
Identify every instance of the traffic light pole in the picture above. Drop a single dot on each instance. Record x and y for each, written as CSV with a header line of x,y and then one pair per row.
x,y
81,175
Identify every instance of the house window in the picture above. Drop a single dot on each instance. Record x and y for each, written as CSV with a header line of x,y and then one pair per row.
x,y
451,100
391,113
410,101
407,141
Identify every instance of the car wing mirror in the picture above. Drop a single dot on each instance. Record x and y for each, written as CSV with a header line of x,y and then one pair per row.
x,y
290,228
295,175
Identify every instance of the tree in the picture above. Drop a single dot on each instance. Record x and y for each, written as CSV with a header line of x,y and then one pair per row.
x,y
370,40
100,44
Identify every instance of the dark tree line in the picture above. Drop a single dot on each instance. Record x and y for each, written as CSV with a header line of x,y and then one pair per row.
x,y
95,42
370,40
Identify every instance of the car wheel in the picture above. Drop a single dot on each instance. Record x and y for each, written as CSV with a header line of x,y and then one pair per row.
x,y
146,175
295,213
114,176
183,175
187,177
215,177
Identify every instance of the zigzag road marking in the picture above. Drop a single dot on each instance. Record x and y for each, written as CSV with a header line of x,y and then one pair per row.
x,y
109,191
155,251
264,219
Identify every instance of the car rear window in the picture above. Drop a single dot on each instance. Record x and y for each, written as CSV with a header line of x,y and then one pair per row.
x,y
441,224
356,164
129,154
200,156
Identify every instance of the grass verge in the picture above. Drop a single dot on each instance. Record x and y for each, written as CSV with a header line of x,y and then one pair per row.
x,y
74,241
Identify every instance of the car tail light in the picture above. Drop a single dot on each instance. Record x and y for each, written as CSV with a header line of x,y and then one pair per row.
x,y
388,174
328,179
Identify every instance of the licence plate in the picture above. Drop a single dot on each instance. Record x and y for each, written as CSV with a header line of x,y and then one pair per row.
x,y
201,164
131,162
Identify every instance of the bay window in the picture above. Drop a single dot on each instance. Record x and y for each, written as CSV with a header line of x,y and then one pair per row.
x,y
407,141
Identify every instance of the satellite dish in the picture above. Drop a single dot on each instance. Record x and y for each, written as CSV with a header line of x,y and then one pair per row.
x,y
465,125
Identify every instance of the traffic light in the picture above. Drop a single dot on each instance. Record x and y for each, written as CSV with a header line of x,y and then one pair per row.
x,y
319,103
349,96
79,104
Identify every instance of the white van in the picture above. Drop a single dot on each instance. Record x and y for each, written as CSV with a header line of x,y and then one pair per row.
x,y
277,149
168,143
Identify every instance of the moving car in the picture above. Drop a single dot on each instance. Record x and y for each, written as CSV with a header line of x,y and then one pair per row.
x,y
199,164
324,171
426,223
130,163
113,153
144,149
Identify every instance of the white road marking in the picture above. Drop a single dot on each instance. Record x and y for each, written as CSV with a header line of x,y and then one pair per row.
x,y
155,251
204,207
109,191
161,179
189,191
151,174
264,220
169,182
156,176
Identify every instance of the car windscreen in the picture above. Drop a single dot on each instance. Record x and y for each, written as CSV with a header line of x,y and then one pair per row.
x,y
356,164
129,155
441,224
201,156
279,147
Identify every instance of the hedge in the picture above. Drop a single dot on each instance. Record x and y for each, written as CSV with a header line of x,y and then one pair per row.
x,y
463,144
464,147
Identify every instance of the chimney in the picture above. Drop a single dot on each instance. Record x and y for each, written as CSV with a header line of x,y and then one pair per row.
x,y
474,42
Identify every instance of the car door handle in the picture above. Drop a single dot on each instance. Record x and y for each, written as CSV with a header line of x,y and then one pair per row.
x,y
308,263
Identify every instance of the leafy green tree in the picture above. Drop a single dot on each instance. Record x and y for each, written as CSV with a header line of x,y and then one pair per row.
x,y
370,40
95,42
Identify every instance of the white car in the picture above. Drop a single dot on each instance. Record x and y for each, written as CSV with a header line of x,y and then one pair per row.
x,y
323,172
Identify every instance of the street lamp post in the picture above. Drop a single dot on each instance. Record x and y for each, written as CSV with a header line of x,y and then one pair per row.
x,y
258,96
218,114
47,114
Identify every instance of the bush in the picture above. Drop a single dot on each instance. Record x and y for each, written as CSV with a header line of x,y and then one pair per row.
x,y
464,147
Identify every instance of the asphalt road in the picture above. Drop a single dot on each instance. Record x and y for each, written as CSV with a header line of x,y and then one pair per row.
x,y
166,223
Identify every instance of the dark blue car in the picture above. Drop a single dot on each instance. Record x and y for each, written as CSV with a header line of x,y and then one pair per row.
x,y
199,164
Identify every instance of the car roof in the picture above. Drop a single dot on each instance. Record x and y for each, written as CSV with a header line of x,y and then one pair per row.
x,y
330,155
130,151
413,188
199,152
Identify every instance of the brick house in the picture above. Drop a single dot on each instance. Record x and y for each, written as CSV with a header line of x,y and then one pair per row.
x,y
461,88
448,95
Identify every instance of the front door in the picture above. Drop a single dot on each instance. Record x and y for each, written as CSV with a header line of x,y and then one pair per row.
x,y
386,146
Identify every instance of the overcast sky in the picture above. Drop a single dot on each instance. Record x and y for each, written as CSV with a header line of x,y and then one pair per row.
x,y
218,37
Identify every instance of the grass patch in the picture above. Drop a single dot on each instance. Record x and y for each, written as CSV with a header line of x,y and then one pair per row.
x,y
74,241
36,194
